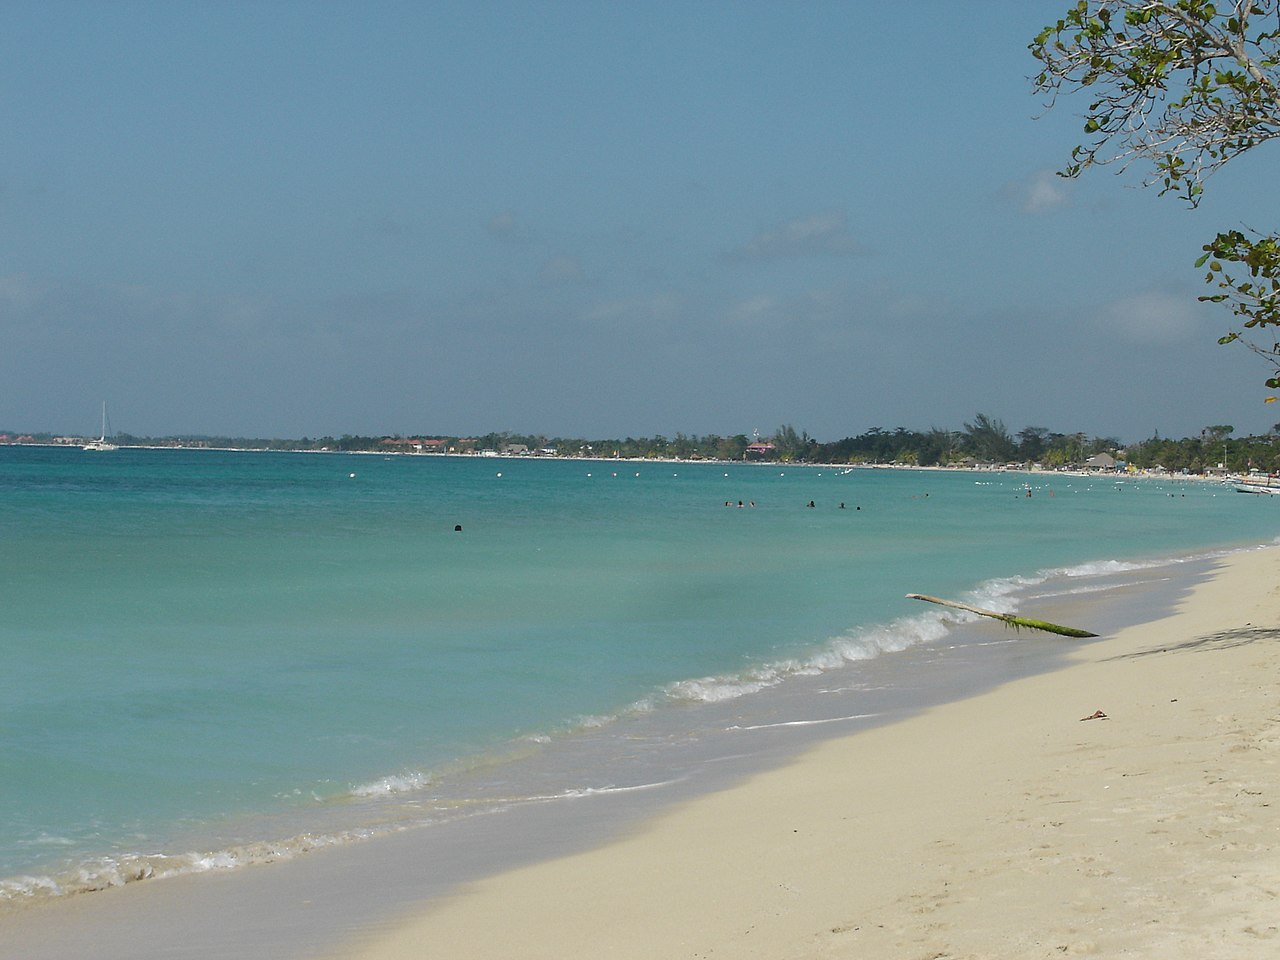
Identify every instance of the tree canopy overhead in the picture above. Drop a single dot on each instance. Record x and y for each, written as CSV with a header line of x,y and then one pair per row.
x,y
1183,86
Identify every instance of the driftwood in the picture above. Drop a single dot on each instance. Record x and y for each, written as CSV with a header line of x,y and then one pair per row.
x,y
1006,617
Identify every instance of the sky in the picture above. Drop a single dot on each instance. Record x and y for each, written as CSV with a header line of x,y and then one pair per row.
x,y
586,219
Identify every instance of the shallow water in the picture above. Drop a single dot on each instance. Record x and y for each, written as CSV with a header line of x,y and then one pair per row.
x,y
246,654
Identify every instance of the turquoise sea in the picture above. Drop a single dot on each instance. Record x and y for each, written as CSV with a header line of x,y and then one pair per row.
x,y
209,658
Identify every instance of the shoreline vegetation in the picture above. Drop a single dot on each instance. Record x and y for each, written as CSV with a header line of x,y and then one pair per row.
x,y
983,444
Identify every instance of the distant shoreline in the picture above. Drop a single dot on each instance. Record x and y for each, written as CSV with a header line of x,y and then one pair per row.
x,y
935,468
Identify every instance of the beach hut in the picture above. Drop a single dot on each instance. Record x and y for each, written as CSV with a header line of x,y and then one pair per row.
x,y
1100,462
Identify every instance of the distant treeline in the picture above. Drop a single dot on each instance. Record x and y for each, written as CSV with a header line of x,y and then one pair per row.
x,y
984,441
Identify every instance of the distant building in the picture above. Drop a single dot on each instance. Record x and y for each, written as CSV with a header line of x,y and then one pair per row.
x,y
1100,461
759,451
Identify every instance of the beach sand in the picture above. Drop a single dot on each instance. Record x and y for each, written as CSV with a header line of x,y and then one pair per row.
x,y
1004,825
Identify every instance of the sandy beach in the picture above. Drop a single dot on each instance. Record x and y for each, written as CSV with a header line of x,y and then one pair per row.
x,y
1005,825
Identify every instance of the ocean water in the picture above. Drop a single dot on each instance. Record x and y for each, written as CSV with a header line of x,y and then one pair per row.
x,y
210,658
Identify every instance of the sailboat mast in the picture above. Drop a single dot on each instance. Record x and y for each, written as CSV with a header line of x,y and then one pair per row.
x,y
101,442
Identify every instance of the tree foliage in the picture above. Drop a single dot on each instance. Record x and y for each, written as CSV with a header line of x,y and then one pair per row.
x,y
1255,298
1183,86
985,440
989,439
791,445
1179,83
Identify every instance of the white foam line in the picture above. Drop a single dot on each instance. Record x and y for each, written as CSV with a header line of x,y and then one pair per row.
x,y
803,723
729,756
579,793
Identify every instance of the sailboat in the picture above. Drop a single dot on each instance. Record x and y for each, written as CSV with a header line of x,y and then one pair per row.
x,y
101,443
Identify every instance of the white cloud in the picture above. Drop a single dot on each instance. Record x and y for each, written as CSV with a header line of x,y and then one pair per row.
x,y
1152,317
140,299
17,292
639,312
561,270
757,311
820,235
503,225
820,317
1040,193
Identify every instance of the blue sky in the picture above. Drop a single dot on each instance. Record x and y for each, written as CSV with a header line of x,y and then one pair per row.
x,y
591,219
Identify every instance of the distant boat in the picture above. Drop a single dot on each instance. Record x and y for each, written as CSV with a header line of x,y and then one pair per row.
x,y
101,443
1262,488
